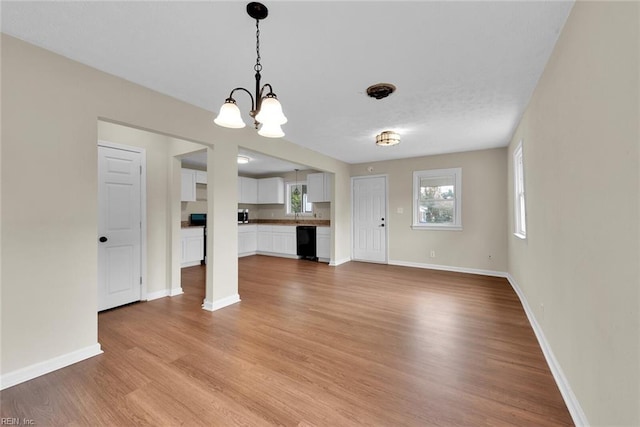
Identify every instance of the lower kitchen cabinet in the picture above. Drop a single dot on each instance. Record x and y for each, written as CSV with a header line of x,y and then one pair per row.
x,y
279,240
192,246
323,243
247,240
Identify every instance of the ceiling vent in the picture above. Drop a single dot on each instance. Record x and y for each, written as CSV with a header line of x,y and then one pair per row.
x,y
380,90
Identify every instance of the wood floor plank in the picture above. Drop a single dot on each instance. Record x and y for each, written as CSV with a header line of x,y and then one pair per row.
x,y
310,345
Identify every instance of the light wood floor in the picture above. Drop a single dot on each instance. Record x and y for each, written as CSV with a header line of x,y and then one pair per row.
x,y
310,345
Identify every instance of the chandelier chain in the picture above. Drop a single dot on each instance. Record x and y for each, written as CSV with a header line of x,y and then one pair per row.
x,y
258,66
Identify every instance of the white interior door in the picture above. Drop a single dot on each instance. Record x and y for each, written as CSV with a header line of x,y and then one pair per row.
x,y
119,227
369,219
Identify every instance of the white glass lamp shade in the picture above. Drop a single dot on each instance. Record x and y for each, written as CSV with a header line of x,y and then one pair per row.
x,y
271,112
229,116
271,130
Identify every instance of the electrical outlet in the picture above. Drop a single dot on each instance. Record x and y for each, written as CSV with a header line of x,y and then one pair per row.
x,y
432,254
399,210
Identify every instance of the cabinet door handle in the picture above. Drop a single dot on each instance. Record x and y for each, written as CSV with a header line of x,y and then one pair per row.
x,y
103,239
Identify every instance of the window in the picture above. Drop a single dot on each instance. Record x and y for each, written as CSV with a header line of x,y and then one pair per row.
x,y
437,196
518,186
297,202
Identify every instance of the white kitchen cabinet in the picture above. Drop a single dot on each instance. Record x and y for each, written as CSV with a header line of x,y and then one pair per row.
x,y
284,240
188,185
323,243
192,246
201,177
247,190
265,238
319,187
271,190
247,240
277,240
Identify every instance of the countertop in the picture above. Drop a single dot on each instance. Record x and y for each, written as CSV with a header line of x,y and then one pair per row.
x,y
185,224
316,222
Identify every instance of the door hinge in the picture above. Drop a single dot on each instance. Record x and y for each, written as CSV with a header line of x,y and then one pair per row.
x,y
140,169
140,280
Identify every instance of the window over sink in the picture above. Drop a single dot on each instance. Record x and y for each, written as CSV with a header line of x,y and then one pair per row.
x,y
297,199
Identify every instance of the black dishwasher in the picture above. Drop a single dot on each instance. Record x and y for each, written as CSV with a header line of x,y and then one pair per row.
x,y
306,242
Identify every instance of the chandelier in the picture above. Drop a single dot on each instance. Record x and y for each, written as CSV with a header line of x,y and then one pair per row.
x,y
266,110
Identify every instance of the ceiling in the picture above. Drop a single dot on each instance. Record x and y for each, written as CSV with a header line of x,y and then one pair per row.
x,y
464,71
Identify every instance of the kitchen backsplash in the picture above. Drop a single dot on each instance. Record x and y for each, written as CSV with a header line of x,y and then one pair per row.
x,y
320,211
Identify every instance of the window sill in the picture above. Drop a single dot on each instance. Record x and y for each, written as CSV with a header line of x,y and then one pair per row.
x,y
520,236
437,227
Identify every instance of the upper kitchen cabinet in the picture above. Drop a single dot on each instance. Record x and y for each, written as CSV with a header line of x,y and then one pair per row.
x,y
188,185
201,177
319,187
271,190
247,190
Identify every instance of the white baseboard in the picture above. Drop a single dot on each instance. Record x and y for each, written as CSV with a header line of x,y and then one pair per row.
x,y
190,264
164,293
275,254
570,399
244,254
175,291
335,263
449,268
221,303
157,295
30,372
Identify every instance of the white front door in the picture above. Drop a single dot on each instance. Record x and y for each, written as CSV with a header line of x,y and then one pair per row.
x,y
119,227
369,219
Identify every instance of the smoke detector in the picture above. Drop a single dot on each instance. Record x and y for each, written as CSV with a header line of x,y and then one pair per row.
x,y
380,90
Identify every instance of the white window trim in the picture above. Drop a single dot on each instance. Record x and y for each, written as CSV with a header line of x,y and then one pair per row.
x,y
434,173
520,217
287,186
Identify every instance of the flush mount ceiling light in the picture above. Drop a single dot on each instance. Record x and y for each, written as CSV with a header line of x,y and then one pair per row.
x,y
243,160
387,138
265,109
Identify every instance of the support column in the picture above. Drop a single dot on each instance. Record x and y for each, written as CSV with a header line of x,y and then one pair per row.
x,y
222,227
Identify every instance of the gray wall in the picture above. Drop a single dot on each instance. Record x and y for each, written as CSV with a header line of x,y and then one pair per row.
x,y
578,267
51,107
482,244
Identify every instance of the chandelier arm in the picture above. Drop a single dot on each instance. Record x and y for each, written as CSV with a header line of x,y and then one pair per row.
x,y
253,104
270,90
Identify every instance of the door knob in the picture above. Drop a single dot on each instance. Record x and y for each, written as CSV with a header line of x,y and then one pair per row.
x,y
103,239
381,225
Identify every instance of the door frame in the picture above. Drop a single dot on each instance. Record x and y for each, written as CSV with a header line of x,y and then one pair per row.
x,y
143,207
386,215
